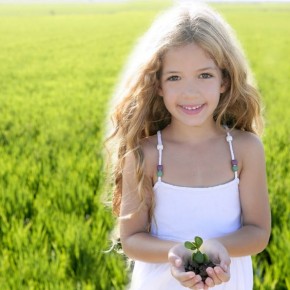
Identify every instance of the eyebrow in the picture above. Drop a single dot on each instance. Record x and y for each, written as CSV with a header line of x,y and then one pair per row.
x,y
200,69
171,72
208,68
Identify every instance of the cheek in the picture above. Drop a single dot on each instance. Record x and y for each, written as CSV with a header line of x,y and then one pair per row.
x,y
169,99
172,89
213,89
165,91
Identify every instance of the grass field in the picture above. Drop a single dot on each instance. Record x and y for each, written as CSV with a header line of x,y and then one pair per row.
x,y
58,68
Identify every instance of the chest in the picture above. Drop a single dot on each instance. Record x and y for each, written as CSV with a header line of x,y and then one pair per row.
x,y
197,166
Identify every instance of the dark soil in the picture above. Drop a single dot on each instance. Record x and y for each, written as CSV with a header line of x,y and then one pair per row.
x,y
199,269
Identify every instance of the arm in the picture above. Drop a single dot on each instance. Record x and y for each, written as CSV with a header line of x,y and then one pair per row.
x,y
254,235
136,241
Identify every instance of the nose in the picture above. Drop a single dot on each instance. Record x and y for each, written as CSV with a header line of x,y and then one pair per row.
x,y
190,89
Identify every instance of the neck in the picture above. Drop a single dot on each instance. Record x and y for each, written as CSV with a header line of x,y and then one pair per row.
x,y
194,134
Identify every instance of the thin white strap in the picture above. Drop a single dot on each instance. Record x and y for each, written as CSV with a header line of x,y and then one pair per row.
x,y
230,140
159,148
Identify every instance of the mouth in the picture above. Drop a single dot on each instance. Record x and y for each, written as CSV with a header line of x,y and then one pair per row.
x,y
191,108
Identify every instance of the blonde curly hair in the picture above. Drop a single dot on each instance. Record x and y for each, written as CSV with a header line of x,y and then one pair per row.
x,y
140,112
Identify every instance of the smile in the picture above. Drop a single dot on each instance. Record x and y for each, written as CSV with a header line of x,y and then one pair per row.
x,y
191,108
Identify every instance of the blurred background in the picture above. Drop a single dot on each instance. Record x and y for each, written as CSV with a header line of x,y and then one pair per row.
x,y
59,64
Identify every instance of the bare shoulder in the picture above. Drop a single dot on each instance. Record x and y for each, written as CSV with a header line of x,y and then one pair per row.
x,y
148,147
247,141
249,147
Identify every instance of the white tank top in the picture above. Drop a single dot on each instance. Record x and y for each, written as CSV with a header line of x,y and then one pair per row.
x,y
181,213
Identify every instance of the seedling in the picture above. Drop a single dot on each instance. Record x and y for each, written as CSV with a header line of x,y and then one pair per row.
x,y
199,261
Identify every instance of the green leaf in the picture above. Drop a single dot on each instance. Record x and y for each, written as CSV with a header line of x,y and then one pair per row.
x,y
188,245
198,257
198,242
194,246
205,258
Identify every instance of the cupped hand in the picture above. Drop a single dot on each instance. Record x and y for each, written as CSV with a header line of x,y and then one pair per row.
x,y
219,256
178,256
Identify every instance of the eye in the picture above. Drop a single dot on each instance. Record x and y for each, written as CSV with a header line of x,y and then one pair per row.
x,y
173,78
205,76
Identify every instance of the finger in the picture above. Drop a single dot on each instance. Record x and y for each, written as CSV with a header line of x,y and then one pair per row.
x,y
174,260
187,279
209,282
213,278
225,264
194,283
199,286
223,276
181,275
225,261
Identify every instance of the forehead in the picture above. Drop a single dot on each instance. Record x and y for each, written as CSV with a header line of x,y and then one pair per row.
x,y
189,55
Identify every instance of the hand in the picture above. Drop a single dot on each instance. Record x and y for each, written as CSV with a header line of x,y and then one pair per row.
x,y
219,256
178,256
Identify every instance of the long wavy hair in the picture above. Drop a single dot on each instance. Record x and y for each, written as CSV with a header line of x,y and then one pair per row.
x,y
140,112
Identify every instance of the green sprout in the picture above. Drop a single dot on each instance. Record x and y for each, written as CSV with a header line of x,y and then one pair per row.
x,y
197,255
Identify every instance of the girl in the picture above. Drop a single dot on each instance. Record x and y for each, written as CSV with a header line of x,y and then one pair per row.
x,y
189,161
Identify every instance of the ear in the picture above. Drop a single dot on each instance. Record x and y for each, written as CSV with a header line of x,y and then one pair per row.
x,y
223,88
224,85
160,91
225,81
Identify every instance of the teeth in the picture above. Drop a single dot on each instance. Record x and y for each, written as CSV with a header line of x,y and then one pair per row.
x,y
192,108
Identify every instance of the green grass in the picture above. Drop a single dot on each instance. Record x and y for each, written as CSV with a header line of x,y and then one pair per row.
x,y
58,68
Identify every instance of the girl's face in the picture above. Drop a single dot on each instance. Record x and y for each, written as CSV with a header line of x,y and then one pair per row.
x,y
191,84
